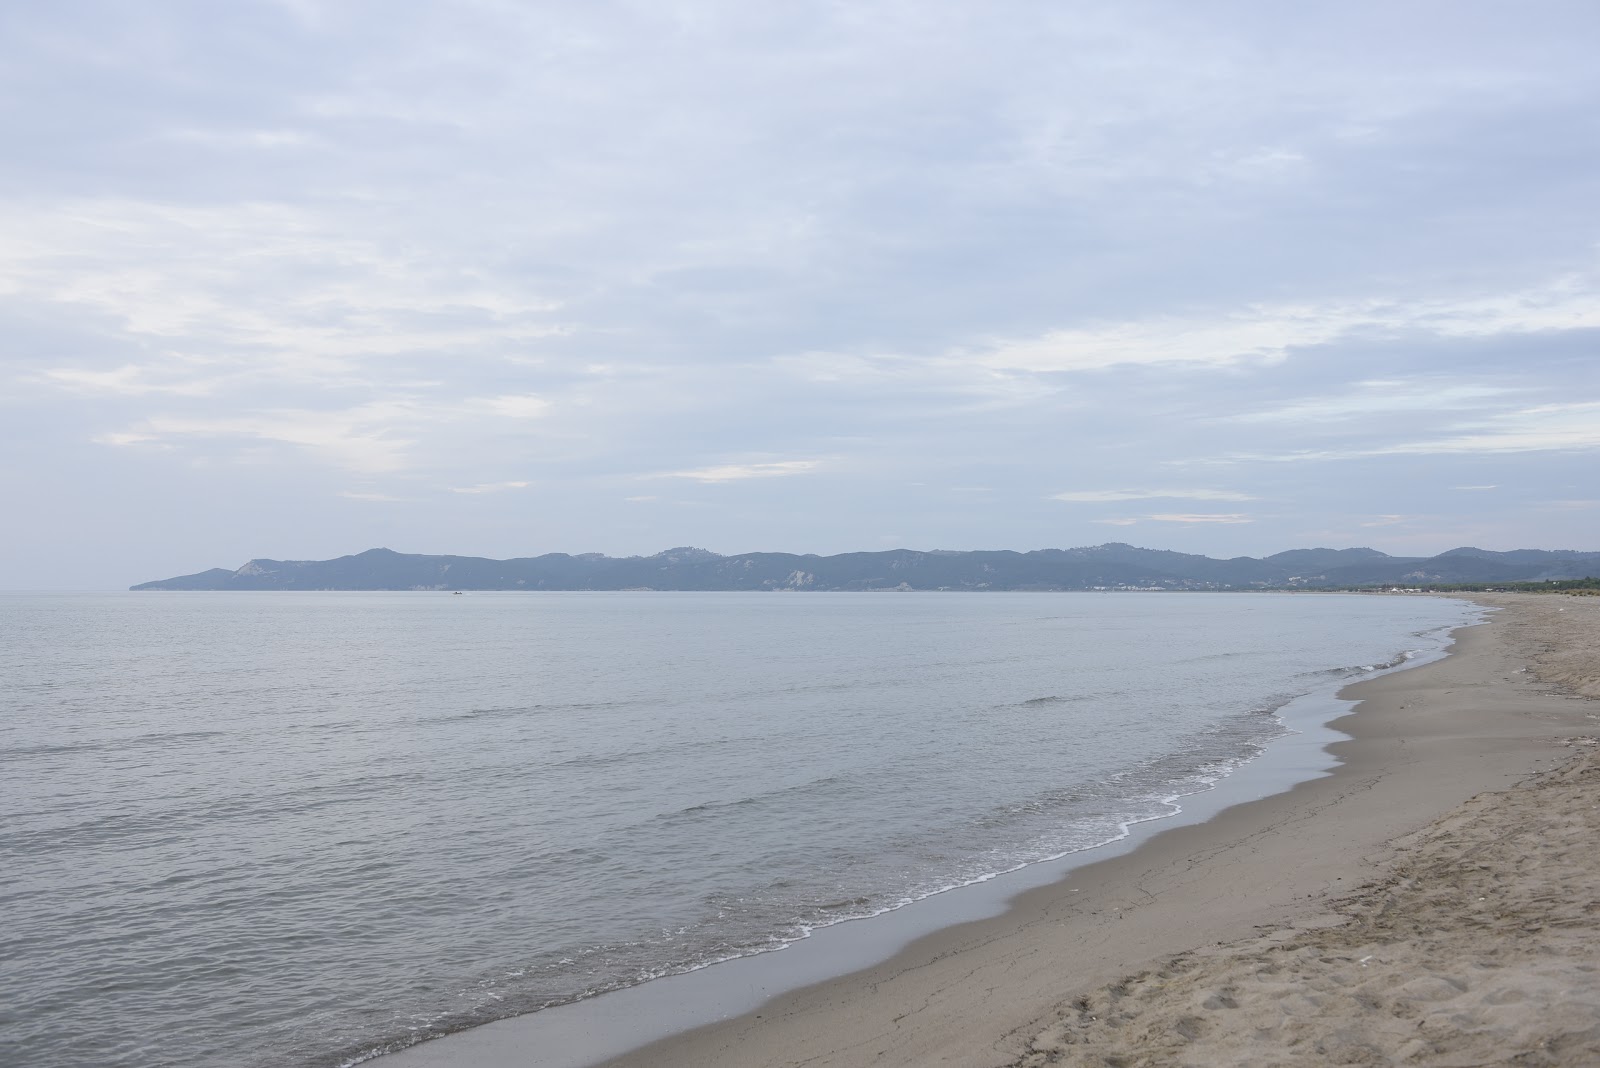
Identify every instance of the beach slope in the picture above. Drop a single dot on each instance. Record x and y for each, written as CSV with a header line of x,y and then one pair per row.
x,y
1339,922
1475,947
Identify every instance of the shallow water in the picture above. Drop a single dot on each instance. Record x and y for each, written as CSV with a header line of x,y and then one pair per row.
x,y
297,828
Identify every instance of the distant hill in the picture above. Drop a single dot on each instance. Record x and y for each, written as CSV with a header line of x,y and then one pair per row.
x,y
1111,566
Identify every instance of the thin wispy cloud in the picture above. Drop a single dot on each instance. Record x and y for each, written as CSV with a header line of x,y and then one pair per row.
x,y
1188,517
358,495
130,381
489,487
524,406
1383,399
1547,428
1552,428
1267,334
1096,496
364,438
264,290
740,472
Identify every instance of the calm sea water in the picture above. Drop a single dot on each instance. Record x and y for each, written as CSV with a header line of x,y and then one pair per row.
x,y
296,829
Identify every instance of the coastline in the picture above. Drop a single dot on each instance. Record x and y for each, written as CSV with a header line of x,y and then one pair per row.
x,y
988,992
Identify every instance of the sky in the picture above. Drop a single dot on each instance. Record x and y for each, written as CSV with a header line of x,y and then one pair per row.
x,y
295,278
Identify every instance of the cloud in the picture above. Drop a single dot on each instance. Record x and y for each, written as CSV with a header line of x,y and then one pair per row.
x,y
245,139
738,472
1088,496
1258,335
1573,427
364,438
131,438
356,495
1547,428
129,380
374,437
518,406
490,487
1176,517
280,291
1201,518
1382,398
1475,488
1267,333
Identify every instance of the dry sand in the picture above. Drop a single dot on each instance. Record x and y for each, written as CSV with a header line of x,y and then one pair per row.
x,y
1474,945
1426,903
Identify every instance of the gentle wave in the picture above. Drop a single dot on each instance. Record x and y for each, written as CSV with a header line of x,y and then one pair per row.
x,y
1131,798
306,831
160,739
1352,670
1143,794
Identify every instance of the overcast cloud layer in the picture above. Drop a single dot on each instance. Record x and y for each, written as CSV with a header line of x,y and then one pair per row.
x,y
300,278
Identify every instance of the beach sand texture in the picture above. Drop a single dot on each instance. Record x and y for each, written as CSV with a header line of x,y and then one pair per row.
x,y
1338,923
1476,946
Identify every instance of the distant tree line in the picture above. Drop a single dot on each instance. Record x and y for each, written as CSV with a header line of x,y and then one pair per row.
x,y
1589,586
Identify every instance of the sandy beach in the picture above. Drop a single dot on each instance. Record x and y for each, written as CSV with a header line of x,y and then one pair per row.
x,y
1431,901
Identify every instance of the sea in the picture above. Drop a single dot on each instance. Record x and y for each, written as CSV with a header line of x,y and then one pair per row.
x,y
302,829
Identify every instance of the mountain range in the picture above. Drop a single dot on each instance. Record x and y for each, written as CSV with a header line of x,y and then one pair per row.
x,y
1111,566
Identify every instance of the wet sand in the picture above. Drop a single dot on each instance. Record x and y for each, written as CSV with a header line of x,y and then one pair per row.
x,y
1386,913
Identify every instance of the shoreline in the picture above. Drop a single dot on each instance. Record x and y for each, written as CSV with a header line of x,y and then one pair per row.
x,y
1422,740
